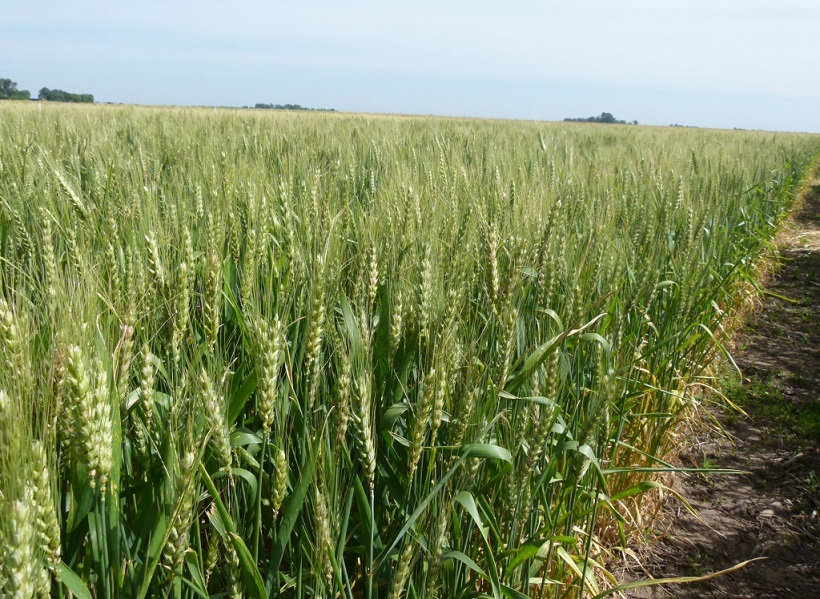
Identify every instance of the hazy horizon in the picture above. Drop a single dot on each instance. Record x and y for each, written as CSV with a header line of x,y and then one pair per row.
x,y
727,64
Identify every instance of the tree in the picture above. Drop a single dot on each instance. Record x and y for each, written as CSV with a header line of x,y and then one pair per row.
x,y
58,95
7,86
9,91
606,117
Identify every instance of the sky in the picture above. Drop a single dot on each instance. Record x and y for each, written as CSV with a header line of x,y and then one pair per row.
x,y
711,63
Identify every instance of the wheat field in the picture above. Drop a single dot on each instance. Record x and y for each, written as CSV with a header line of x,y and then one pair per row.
x,y
329,355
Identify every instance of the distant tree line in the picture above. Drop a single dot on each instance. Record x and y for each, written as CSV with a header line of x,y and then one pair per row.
x,y
290,107
606,117
9,91
58,95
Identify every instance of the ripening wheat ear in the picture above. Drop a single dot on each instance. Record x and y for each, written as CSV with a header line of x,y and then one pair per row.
x,y
47,526
9,337
214,548
421,422
146,399
362,427
321,521
402,570
74,257
182,300
212,300
112,269
397,321
317,328
271,352
234,233
155,267
49,260
90,410
215,415
124,356
425,294
341,406
494,279
373,279
23,573
546,414
280,480
185,496
439,544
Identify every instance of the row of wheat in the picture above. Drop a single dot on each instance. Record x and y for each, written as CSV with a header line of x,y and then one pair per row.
x,y
326,355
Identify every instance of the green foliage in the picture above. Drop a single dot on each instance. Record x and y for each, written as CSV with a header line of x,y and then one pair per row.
x,y
9,91
336,355
605,118
763,400
263,106
58,95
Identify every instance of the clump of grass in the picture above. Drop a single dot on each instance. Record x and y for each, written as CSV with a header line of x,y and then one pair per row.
x,y
762,399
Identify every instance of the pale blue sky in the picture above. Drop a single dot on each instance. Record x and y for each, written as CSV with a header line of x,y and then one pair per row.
x,y
711,63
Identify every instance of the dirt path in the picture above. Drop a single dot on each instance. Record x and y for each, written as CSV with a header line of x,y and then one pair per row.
x,y
773,509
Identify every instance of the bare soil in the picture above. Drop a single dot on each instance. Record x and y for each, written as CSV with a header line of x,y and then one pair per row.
x,y
772,509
